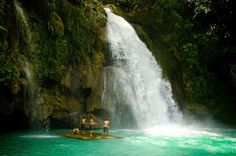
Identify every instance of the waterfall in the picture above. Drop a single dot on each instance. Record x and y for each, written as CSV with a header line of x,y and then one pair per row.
x,y
134,87
32,98
30,87
24,26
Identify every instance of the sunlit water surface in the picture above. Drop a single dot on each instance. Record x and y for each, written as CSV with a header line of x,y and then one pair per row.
x,y
160,141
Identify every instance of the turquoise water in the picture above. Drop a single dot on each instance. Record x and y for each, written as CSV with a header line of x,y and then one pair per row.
x,y
155,142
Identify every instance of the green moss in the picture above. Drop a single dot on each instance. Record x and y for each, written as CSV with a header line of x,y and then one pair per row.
x,y
56,25
53,102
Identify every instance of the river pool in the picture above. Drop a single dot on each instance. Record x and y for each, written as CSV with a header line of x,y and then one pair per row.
x,y
159,141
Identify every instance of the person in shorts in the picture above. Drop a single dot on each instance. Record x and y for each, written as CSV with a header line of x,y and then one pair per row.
x,y
91,125
106,125
83,123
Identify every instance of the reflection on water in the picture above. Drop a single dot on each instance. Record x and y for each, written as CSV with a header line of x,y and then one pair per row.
x,y
183,141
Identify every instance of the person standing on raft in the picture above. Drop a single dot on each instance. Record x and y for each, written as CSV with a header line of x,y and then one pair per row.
x,y
106,126
91,125
83,123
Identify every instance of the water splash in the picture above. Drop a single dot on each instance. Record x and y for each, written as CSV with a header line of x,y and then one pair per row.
x,y
180,131
134,80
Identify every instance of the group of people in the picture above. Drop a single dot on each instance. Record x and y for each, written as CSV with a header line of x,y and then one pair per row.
x,y
92,124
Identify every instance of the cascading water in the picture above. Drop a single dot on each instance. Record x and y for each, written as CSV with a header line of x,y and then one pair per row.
x,y
24,26
30,83
33,101
32,97
133,80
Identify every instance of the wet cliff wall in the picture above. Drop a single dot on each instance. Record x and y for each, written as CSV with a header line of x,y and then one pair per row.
x,y
51,59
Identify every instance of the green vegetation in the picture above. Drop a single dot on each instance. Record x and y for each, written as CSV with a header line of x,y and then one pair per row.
x,y
63,32
62,41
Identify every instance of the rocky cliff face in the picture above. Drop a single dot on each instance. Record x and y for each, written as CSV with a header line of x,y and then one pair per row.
x,y
52,55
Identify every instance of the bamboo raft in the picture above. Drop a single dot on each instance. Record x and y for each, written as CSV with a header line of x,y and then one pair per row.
x,y
86,136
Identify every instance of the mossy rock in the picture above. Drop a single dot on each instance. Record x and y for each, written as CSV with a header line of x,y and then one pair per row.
x,y
67,78
56,25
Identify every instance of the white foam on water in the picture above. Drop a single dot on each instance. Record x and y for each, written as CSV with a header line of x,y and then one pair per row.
x,y
179,131
39,136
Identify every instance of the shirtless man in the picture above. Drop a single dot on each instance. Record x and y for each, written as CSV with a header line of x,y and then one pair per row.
x,y
83,123
91,125
106,126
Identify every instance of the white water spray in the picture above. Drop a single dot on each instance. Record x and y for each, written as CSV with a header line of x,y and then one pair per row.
x,y
134,79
